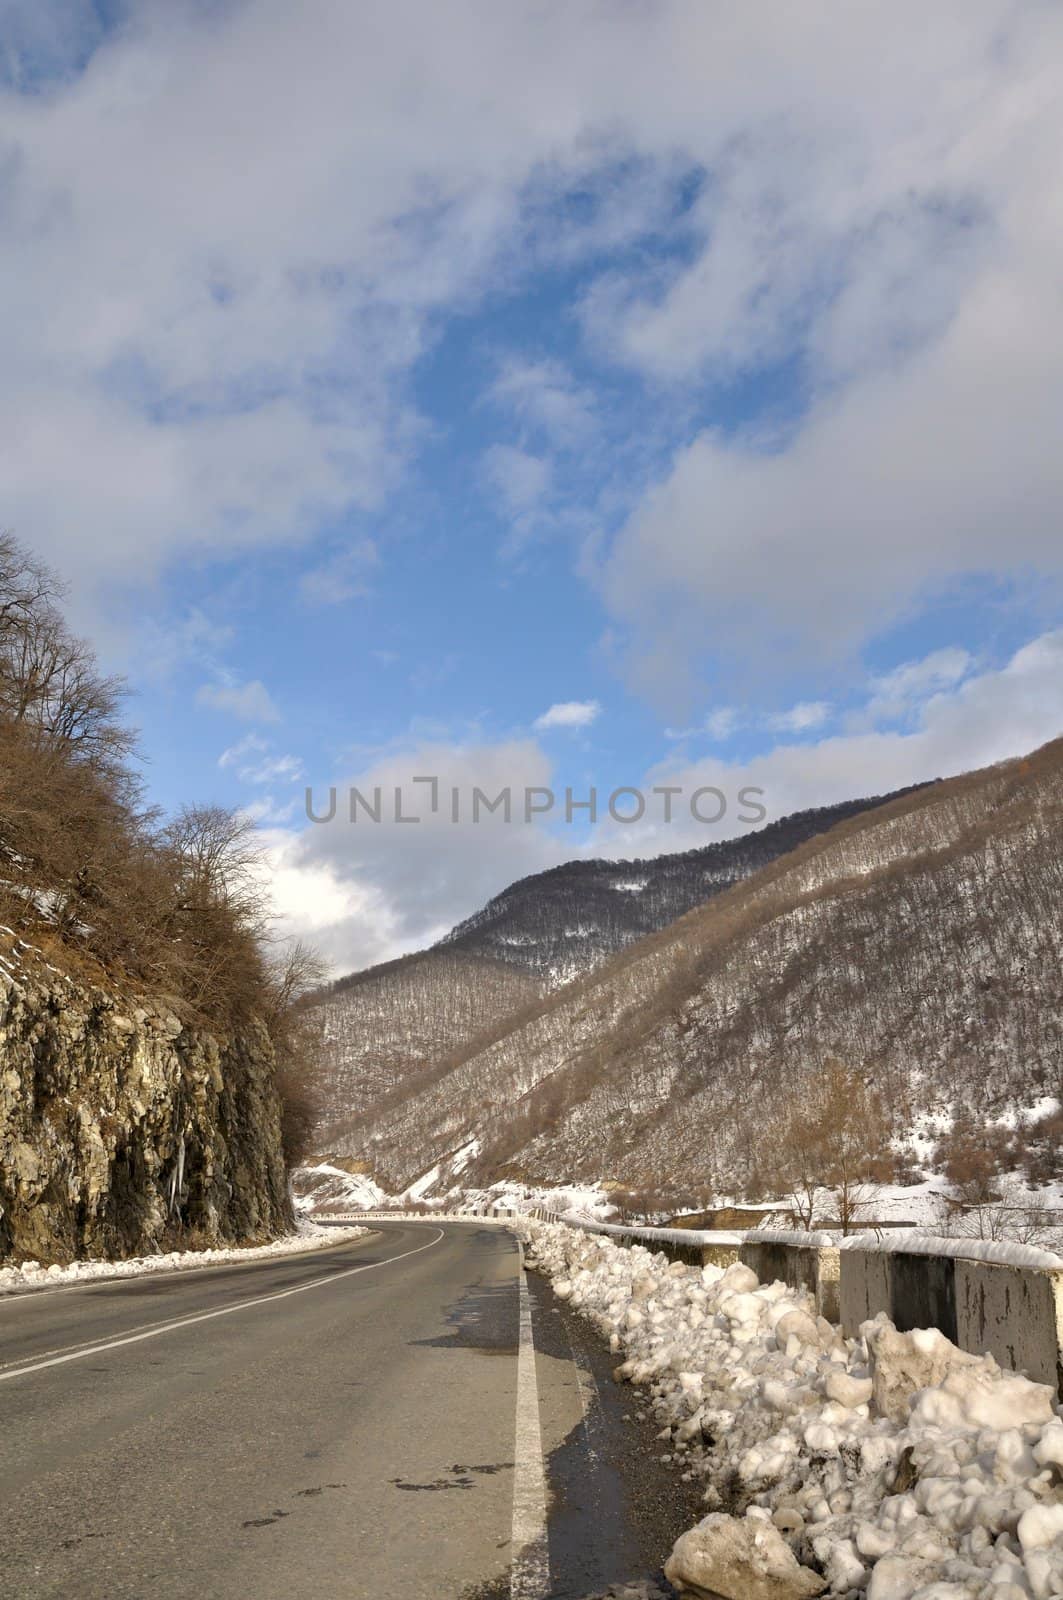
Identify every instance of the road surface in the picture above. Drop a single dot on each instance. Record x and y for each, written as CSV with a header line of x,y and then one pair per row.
x,y
409,1417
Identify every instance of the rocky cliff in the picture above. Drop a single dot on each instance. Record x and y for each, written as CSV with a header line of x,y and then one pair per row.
x,y
124,1129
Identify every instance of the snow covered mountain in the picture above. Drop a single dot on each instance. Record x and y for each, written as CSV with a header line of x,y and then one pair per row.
x,y
407,1017
920,940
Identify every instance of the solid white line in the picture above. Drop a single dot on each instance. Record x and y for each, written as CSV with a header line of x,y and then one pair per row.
x,y
530,1571
208,1316
184,1272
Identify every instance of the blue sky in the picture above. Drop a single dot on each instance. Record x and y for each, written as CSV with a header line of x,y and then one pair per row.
x,y
692,371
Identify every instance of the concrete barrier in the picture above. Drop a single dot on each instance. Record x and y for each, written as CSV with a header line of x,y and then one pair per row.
x,y
806,1261
1016,1313
997,1299
697,1247
1004,1300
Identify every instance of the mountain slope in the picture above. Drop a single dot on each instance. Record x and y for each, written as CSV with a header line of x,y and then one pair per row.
x,y
921,940
560,924
385,1024
381,1025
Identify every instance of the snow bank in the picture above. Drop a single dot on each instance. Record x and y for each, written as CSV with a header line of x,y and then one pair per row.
x,y
32,1275
816,1240
1002,1252
894,1465
692,1236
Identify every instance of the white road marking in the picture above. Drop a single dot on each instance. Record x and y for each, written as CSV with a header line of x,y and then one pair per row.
x,y
112,1283
17,1371
530,1572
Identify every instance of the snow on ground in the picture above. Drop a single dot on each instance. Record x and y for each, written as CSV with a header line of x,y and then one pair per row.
x,y
422,1186
332,1186
893,1466
920,1205
1005,1252
32,1275
588,1200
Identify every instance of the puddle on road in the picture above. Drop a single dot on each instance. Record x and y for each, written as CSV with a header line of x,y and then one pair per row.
x,y
615,1510
643,1590
277,1515
484,1320
460,1478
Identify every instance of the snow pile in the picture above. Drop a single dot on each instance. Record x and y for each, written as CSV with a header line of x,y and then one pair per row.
x,y
793,1237
1005,1252
32,1275
589,1200
690,1236
894,1465
331,1187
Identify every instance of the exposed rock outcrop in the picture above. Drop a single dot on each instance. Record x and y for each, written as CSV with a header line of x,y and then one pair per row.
x,y
122,1128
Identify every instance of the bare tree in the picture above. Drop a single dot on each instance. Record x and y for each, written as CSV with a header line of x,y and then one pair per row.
x,y
217,860
296,973
834,1143
49,678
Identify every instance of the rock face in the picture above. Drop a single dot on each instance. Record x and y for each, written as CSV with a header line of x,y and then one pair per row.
x,y
123,1130
739,1560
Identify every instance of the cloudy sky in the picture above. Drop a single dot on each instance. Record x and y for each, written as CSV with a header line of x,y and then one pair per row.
x,y
532,394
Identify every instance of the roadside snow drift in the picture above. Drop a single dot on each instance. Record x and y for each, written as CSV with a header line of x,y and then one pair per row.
x,y
894,1465
32,1275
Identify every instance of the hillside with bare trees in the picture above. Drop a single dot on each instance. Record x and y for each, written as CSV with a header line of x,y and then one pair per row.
x,y
405,1017
155,1052
921,942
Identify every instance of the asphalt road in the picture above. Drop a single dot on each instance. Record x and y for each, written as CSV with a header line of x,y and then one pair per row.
x,y
360,1421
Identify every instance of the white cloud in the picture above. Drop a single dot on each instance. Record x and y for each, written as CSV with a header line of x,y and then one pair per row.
x,y
353,924
898,693
544,395
249,747
986,717
367,891
251,702
212,311
342,577
521,479
267,813
913,268
254,764
193,639
801,718
722,723
276,769
568,714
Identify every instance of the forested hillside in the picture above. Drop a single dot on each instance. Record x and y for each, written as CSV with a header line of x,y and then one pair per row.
x,y
152,1045
921,942
563,923
406,1016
